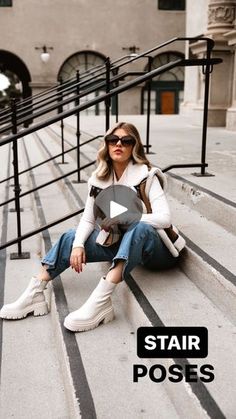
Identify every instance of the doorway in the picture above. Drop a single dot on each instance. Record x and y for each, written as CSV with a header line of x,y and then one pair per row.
x,y
167,89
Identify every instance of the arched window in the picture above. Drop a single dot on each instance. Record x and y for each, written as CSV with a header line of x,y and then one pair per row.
x,y
19,79
83,61
167,88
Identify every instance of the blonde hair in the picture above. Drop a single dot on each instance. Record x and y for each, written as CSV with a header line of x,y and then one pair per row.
x,y
104,161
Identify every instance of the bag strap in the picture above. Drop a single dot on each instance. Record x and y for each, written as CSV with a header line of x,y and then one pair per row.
x,y
141,189
144,187
94,191
155,171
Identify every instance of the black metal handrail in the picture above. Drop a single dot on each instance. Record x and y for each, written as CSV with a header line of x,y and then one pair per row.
x,y
183,165
65,86
15,136
61,102
40,229
54,100
113,92
91,102
51,89
32,105
72,81
56,156
43,185
193,62
89,72
113,65
33,115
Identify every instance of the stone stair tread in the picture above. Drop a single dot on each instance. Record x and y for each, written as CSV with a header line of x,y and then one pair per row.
x,y
53,144
108,353
175,139
206,234
30,369
211,187
225,185
91,148
139,402
188,306
213,206
159,288
49,195
102,406
69,129
74,298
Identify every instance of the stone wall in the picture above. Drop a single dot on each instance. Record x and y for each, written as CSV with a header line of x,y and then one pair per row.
x,y
72,26
217,21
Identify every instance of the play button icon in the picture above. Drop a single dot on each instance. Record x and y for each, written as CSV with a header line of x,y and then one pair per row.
x,y
119,205
116,209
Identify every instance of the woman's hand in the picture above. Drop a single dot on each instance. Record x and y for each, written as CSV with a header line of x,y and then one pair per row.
x,y
78,259
126,220
107,223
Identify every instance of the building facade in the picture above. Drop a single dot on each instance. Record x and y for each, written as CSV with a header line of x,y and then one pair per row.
x,y
215,19
79,34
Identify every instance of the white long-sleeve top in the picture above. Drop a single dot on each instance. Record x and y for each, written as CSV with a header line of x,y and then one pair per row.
x,y
132,176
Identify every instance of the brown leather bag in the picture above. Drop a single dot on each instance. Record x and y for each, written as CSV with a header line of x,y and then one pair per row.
x,y
171,232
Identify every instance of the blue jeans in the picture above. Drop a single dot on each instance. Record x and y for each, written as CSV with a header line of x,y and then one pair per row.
x,y
139,245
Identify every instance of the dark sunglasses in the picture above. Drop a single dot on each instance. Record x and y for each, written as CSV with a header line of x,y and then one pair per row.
x,y
126,141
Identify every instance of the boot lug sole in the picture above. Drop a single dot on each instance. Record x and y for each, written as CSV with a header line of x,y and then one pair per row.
x,y
104,318
39,309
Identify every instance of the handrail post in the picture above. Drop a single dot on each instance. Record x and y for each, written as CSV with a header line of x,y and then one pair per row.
x,y
60,110
117,96
149,85
205,110
17,189
108,100
78,133
206,72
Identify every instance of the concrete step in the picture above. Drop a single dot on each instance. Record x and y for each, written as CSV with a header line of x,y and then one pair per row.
x,y
108,355
171,299
50,144
71,294
92,125
213,206
207,260
88,151
44,149
76,291
75,299
176,140
104,397
71,129
31,375
97,366
52,141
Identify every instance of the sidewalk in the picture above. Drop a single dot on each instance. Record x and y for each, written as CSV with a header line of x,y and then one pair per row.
x,y
175,140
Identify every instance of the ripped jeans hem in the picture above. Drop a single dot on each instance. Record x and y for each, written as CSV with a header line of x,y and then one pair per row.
x,y
125,258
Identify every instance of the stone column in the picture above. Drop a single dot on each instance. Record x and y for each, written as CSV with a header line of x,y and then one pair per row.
x,y
221,16
231,111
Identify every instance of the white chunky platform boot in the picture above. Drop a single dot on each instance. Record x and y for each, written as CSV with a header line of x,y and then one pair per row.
x,y
97,309
31,301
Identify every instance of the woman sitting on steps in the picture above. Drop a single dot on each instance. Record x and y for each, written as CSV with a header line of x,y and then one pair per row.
x,y
121,161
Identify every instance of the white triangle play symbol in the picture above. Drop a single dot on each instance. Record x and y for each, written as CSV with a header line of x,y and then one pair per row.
x,y
116,209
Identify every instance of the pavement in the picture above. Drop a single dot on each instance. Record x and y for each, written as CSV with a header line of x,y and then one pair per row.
x,y
176,139
64,375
